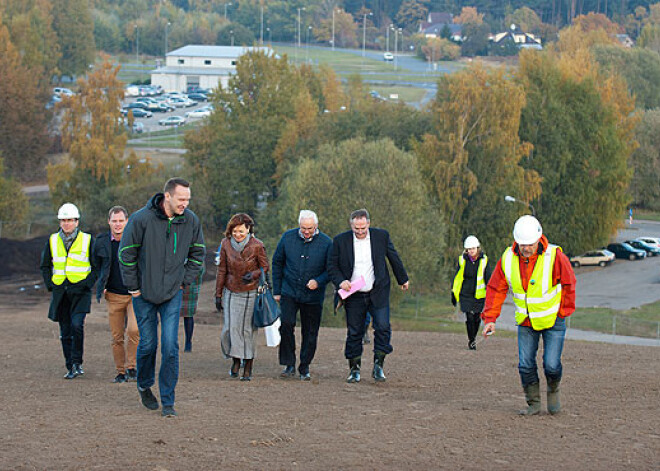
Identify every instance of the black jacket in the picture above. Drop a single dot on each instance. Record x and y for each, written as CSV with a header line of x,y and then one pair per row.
x,y
103,258
342,260
469,287
79,294
295,262
157,255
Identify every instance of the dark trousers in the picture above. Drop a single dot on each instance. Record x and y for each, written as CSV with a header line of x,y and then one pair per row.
x,y
310,320
72,336
357,305
472,323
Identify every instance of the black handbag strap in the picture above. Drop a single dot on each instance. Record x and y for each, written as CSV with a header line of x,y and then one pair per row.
x,y
264,279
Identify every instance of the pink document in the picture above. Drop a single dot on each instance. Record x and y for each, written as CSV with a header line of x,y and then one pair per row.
x,y
355,286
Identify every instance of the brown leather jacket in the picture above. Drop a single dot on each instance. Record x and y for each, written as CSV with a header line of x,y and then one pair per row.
x,y
233,265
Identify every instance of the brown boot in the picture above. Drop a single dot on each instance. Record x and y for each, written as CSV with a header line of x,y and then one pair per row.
x,y
533,398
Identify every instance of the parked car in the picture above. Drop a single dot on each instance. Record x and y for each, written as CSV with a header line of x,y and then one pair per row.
x,y
601,257
138,127
623,250
182,102
388,56
197,97
650,250
652,241
146,99
137,112
196,89
136,104
132,90
202,112
61,91
172,121
159,107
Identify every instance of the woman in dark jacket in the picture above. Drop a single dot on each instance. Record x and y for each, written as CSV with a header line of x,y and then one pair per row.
x,y
241,256
472,275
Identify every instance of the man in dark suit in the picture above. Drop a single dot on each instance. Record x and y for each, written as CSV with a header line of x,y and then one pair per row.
x,y
360,254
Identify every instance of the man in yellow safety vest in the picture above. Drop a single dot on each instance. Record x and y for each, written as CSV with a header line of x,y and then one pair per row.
x,y
542,283
69,273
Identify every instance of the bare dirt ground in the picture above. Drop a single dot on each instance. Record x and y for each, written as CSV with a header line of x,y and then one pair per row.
x,y
443,407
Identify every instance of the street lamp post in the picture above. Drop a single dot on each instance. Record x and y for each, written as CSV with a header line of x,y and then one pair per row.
x,y
309,32
270,42
261,30
299,32
231,33
511,199
333,28
395,45
167,25
387,40
226,5
364,31
137,49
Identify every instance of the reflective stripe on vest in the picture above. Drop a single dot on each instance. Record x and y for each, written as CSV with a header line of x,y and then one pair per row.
x,y
73,266
542,300
480,289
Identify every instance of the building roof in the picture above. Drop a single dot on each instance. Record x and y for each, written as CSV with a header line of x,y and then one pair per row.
x,y
194,70
518,38
217,52
436,29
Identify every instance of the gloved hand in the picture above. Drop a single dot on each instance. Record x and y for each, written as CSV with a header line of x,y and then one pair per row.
x,y
453,300
218,304
247,278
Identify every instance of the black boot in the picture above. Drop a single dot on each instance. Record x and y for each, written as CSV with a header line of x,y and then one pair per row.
x,y
354,364
379,360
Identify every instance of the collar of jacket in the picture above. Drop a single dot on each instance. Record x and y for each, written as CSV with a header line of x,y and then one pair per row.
x,y
156,205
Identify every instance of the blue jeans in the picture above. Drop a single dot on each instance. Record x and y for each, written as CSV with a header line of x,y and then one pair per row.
x,y
146,314
528,345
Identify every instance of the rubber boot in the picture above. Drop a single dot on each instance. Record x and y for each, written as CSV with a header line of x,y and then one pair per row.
x,y
533,398
554,406
379,360
354,375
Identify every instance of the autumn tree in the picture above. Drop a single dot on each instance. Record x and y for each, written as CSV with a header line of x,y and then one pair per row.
x,y
472,158
74,27
581,124
525,19
439,49
469,15
95,175
645,161
13,202
382,178
410,14
23,120
345,29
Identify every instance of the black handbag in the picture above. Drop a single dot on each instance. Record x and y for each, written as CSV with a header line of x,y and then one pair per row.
x,y
266,310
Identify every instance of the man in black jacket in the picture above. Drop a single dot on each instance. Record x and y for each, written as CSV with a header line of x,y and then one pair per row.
x,y
121,316
162,250
299,279
358,257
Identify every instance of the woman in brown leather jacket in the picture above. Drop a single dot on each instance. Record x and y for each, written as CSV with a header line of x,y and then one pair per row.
x,y
240,259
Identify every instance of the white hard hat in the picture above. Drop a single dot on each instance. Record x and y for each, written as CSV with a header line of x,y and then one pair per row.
x,y
68,211
471,242
527,230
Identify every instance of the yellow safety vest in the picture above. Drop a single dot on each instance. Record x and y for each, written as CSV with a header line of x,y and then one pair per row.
x,y
480,291
74,265
542,300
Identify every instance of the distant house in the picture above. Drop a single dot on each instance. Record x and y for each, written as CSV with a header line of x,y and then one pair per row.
x,y
625,40
436,22
519,39
199,65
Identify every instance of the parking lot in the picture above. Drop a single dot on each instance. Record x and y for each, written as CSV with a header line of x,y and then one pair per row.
x,y
151,124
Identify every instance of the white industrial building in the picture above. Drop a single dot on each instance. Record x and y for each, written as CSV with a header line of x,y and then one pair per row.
x,y
199,65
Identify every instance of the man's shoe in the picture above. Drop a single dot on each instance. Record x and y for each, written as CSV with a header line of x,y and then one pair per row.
x,y
188,347
120,378
366,338
131,374
354,375
305,376
77,369
288,372
70,374
148,399
533,398
168,411
472,345
379,361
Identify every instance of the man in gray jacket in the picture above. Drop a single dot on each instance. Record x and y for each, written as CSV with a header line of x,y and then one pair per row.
x,y
162,250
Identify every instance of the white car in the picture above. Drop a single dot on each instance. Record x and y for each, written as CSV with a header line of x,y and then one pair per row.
x,y
172,121
388,56
203,112
652,241
61,91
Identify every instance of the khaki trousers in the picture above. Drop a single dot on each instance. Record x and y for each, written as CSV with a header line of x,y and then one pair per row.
x,y
122,321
